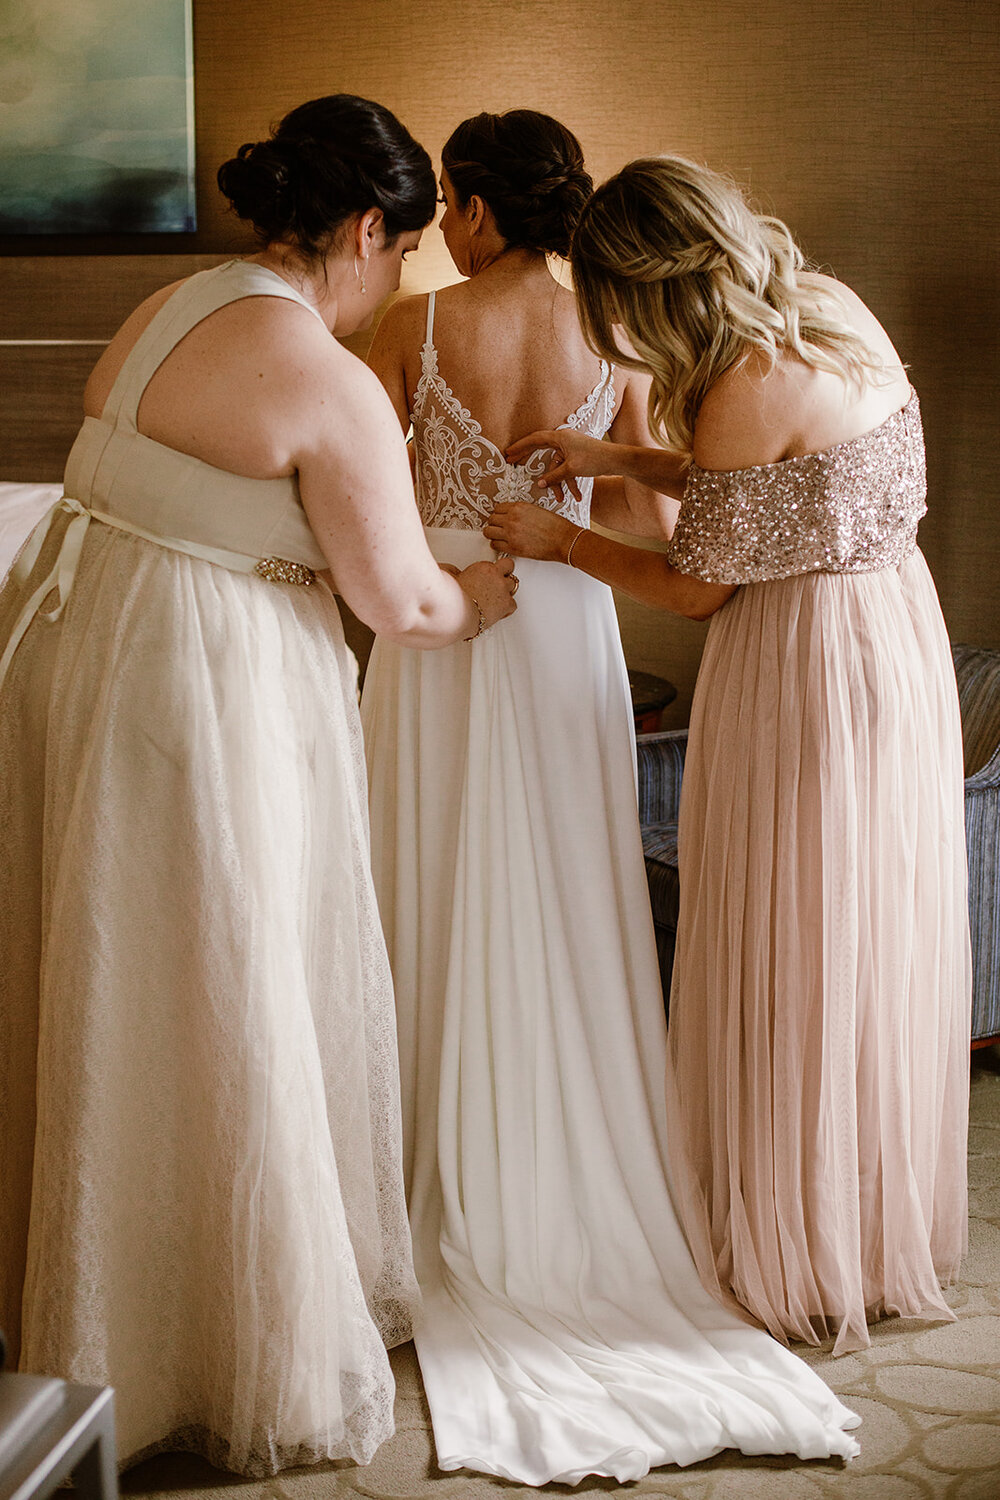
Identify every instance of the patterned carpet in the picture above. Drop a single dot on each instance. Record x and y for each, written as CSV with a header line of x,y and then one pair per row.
x,y
929,1396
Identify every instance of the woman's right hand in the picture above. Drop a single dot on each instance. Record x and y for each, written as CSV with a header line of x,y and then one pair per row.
x,y
576,455
493,586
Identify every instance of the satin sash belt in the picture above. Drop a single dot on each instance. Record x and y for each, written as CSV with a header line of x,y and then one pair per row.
x,y
63,570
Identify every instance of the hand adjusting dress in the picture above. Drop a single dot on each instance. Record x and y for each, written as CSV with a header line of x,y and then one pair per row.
x,y
819,1012
199,1119
566,1332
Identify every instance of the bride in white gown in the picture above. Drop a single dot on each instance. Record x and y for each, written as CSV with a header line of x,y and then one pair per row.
x,y
566,1332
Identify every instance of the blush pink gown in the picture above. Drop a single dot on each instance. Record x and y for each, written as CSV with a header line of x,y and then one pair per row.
x,y
819,1016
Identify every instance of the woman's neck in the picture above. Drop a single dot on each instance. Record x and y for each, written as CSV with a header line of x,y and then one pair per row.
x,y
315,280
516,266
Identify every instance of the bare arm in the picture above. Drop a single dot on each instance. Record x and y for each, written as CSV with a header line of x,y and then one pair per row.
x,y
398,331
648,577
623,503
577,456
529,531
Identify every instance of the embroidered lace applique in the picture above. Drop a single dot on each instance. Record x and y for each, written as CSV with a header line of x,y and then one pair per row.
x,y
461,475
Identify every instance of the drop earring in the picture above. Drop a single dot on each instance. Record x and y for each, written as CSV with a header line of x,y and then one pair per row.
x,y
361,277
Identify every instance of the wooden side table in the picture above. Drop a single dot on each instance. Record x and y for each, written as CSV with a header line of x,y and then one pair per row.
x,y
51,1430
650,696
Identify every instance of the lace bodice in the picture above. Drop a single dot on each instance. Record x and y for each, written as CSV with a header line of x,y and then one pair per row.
x,y
853,508
461,475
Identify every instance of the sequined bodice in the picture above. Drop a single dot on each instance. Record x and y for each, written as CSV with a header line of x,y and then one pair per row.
x,y
461,475
853,508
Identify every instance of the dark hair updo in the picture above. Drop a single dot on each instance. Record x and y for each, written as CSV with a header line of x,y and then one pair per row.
x,y
327,160
528,169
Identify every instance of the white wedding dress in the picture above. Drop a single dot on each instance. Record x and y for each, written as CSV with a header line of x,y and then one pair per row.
x,y
566,1332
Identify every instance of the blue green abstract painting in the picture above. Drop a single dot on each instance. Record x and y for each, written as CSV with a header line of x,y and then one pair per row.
x,y
96,117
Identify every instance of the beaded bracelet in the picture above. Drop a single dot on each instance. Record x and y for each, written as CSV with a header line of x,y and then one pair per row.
x,y
569,552
482,620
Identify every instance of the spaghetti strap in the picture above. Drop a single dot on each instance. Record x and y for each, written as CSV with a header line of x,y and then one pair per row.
x,y
429,335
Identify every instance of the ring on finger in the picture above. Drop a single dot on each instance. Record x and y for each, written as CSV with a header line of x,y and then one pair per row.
x,y
516,582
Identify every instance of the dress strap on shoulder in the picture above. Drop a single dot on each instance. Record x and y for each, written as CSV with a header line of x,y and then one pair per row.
x,y
194,300
429,335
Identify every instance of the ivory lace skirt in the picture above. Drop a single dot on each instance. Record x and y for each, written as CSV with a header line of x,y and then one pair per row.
x,y
199,1119
819,1017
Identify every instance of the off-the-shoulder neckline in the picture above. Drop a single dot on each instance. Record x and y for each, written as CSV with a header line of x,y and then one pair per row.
x,y
801,458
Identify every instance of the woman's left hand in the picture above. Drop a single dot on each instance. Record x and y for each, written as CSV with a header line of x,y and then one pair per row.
x,y
526,530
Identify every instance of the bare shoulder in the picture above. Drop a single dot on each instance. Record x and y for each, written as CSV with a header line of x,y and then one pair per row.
x,y
762,411
270,356
843,295
859,316
105,372
281,375
394,352
293,361
745,418
403,322
262,329
631,420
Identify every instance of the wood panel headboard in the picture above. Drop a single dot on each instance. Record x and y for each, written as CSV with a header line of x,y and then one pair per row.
x,y
56,315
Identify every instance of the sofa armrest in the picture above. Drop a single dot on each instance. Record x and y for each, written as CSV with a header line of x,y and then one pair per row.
x,y
661,766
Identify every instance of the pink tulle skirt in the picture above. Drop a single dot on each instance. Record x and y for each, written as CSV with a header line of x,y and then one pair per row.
x,y
819,1020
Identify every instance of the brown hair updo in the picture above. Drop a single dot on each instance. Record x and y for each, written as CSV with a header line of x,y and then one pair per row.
x,y
328,160
528,169
672,253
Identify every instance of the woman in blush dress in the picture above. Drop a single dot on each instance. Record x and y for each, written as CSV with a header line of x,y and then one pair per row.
x,y
566,1332
819,1013
199,1114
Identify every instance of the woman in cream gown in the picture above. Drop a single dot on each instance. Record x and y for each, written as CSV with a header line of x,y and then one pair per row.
x,y
819,1012
565,1330
199,1121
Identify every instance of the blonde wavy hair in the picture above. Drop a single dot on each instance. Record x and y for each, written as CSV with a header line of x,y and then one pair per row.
x,y
671,251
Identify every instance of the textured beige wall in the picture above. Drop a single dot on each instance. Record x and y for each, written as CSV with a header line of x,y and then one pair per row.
x,y
870,127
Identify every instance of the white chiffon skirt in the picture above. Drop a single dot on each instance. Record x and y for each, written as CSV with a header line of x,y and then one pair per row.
x,y
199,1123
566,1332
819,1016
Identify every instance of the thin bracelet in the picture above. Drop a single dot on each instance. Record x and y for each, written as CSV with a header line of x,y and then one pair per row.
x,y
569,554
482,620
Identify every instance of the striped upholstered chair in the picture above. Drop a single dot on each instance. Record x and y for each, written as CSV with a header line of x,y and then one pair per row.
x,y
661,766
978,675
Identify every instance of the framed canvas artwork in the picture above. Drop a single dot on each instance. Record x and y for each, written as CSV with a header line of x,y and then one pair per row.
x,y
97,124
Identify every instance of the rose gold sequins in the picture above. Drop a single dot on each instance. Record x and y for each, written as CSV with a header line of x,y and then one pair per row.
x,y
853,508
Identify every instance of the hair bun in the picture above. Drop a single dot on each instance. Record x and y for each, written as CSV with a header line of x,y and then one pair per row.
x,y
528,168
329,159
256,182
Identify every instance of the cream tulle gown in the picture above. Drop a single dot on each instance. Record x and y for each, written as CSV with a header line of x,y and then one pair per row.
x,y
819,1015
566,1332
199,1125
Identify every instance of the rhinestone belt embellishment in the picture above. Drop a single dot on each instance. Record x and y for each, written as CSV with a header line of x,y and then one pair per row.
x,y
280,570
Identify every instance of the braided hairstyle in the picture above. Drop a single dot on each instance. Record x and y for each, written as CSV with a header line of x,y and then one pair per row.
x,y
328,160
672,252
528,169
